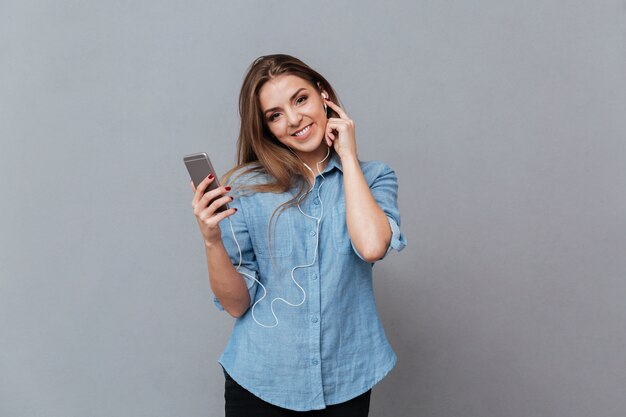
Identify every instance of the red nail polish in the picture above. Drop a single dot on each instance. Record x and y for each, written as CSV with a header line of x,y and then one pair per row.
x,y
211,176
227,188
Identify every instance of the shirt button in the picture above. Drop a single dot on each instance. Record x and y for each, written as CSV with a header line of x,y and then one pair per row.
x,y
314,277
315,362
316,201
313,233
314,319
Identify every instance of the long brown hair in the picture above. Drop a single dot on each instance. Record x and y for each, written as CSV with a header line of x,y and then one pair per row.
x,y
258,151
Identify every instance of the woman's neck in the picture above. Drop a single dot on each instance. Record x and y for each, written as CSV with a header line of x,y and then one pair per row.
x,y
316,161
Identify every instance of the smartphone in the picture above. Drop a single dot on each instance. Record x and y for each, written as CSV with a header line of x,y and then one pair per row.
x,y
199,167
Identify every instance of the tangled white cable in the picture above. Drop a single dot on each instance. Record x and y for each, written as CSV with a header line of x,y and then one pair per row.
x,y
317,234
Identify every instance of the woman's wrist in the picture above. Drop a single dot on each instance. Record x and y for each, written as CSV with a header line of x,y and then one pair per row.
x,y
212,244
349,159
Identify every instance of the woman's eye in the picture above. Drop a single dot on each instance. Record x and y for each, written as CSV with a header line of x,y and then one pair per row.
x,y
301,99
273,117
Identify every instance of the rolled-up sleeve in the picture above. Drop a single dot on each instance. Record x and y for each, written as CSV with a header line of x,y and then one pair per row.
x,y
248,267
383,184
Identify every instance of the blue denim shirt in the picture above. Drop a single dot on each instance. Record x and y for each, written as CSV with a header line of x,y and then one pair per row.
x,y
332,347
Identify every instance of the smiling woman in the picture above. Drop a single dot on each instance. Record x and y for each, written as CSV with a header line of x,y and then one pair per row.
x,y
296,120
308,335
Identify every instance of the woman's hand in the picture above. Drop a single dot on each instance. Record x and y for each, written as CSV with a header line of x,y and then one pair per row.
x,y
205,213
340,132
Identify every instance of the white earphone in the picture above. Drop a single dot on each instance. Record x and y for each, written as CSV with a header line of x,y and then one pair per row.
x,y
325,97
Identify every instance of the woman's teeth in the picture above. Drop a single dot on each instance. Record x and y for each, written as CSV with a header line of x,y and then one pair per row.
x,y
303,131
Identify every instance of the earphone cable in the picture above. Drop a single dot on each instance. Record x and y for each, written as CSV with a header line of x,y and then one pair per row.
x,y
317,234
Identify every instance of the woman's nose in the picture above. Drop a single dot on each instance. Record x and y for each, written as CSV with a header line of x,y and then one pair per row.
x,y
293,117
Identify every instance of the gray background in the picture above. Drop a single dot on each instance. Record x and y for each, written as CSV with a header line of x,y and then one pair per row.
x,y
503,120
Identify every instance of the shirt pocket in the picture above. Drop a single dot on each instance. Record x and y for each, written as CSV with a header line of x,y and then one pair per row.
x,y
280,238
341,238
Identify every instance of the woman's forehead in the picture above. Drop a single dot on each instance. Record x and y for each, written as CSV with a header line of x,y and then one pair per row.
x,y
281,88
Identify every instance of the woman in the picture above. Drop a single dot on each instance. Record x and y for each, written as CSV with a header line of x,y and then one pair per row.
x,y
293,262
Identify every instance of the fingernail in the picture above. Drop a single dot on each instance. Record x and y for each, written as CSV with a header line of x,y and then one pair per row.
x,y
235,208
227,188
211,176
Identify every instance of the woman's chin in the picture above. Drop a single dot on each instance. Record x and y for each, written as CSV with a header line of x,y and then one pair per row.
x,y
310,146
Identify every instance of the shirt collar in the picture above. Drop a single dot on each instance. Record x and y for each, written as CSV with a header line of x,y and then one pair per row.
x,y
334,162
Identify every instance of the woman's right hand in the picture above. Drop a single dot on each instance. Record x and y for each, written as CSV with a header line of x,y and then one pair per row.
x,y
207,218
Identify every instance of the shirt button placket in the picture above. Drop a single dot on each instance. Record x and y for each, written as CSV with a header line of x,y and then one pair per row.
x,y
316,354
315,332
315,307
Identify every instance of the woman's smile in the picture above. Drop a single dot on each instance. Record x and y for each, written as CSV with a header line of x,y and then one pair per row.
x,y
303,133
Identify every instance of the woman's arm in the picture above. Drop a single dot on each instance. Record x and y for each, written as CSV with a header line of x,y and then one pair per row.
x,y
368,226
367,223
227,284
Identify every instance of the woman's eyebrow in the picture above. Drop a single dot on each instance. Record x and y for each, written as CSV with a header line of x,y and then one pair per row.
x,y
291,98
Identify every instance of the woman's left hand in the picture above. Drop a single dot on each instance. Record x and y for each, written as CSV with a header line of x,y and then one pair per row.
x,y
340,132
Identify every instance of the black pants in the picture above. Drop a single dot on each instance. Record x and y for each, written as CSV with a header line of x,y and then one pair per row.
x,y
241,403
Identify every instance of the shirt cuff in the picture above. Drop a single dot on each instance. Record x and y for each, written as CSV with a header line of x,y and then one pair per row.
x,y
398,241
250,284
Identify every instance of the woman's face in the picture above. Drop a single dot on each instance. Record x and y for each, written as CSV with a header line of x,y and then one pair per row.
x,y
293,111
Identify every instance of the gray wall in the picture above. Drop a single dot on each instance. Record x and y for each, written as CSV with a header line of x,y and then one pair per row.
x,y
504,121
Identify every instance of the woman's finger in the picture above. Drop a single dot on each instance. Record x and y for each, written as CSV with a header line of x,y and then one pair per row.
x,y
338,109
213,194
217,203
336,123
211,210
199,192
223,214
